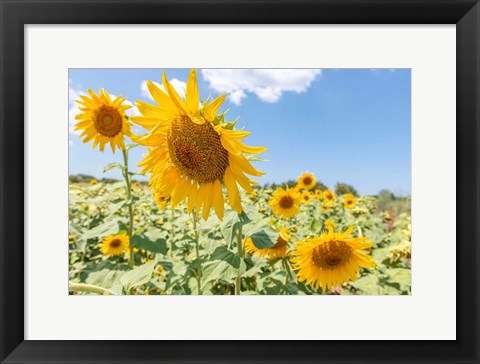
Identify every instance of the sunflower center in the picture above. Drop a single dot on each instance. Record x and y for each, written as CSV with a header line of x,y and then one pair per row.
x,y
107,121
286,202
196,150
331,254
307,180
115,243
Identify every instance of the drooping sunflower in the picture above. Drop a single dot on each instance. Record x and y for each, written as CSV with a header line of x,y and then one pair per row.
x,y
115,244
306,197
331,258
192,151
318,195
279,250
328,196
285,202
306,181
103,120
349,201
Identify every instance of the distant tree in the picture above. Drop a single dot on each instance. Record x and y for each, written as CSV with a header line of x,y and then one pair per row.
x,y
344,188
320,186
386,195
292,183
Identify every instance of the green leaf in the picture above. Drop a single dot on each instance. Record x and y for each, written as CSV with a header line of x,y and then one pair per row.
x,y
368,284
107,275
112,166
114,207
137,276
109,228
231,224
265,238
150,240
401,276
224,264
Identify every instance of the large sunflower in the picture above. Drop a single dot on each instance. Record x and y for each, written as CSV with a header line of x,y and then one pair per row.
x,y
192,151
115,244
285,203
103,120
279,250
306,181
331,258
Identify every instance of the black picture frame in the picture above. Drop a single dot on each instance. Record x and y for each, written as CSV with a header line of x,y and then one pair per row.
x,y
15,14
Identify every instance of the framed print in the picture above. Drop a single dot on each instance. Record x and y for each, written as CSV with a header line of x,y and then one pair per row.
x,y
239,181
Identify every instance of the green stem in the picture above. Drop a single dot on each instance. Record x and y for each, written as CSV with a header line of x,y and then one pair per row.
x,y
241,254
287,274
197,252
128,186
89,288
172,233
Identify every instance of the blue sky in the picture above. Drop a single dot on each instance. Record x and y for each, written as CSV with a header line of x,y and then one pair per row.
x,y
344,125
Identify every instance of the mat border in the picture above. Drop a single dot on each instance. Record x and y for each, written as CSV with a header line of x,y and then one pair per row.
x,y
15,14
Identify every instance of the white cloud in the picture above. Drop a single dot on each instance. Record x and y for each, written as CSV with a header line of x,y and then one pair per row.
x,y
178,85
267,84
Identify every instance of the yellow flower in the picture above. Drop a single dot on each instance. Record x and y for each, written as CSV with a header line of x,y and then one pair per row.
x,y
331,258
318,195
136,184
349,201
71,238
160,199
192,151
279,250
285,203
103,120
325,207
306,197
115,244
329,196
272,221
306,181
93,182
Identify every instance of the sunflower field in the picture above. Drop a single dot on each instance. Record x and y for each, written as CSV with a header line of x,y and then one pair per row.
x,y
203,226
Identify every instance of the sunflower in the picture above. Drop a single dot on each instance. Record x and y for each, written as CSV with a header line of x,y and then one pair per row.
x,y
306,197
331,258
93,182
71,238
160,200
306,181
285,203
136,184
103,120
192,151
279,250
328,196
325,207
349,201
318,195
115,244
